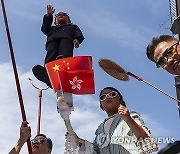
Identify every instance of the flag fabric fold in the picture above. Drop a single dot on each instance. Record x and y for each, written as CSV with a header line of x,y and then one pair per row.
x,y
75,74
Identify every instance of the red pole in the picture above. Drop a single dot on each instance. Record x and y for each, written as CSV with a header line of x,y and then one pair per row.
x,y
39,111
39,105
15,72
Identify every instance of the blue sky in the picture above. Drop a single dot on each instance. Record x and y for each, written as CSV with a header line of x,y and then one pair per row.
x,y
117,30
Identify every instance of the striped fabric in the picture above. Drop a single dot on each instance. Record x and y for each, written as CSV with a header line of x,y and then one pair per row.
x,y
120,139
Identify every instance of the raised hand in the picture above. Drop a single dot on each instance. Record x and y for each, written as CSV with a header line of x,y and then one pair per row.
x,y
25,132
50,10
124,112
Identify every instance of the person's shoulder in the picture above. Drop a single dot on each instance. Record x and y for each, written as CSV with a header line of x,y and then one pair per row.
x,y
99,129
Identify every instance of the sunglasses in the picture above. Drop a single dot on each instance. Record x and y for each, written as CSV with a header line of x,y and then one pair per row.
x,y
39,141
62,14
112,94
168,53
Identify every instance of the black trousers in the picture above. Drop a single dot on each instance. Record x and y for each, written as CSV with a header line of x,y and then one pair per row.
x,y
60,48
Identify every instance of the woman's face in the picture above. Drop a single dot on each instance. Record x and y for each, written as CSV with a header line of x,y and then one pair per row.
x,y
110,101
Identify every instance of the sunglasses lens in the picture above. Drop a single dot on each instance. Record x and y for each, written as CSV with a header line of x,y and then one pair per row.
x,y
167,54
161,63
62,14
37,141
102,97
41,140
113,94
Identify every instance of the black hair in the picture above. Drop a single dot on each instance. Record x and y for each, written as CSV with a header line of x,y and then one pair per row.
x,y
154,43
114,89
49,141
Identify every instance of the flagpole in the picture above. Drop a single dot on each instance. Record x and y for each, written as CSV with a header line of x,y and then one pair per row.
x,y
15,73
59,79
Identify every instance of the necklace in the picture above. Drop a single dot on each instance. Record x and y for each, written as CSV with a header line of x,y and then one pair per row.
x,y
110,117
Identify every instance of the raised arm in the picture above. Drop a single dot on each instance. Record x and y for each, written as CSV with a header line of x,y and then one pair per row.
x,y
25,132
47,20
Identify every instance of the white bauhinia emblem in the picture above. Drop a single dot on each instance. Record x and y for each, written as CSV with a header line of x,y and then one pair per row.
x,y
76,83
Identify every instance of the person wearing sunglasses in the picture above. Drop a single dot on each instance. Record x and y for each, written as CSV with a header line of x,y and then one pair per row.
x,y
164,50
62,38
121,132
40,144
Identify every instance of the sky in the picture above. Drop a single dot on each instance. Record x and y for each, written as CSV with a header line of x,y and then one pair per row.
x,y
116,30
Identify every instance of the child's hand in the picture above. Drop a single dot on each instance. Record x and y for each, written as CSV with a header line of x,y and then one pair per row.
x,y
50,10
124,112
76,43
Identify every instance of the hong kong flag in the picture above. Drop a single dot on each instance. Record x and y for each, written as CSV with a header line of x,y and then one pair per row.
x,y
74,74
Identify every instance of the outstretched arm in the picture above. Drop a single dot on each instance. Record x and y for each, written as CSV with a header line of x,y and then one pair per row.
x,y
25,132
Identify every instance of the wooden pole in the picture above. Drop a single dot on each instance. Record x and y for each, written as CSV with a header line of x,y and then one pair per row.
x,y
15,73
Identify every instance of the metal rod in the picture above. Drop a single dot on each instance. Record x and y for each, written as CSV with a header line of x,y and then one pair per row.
x,y
15,73
140,79
161,91
39,105
39,112
36,86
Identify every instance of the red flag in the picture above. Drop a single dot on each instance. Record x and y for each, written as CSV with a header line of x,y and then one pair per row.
x,y
75,74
